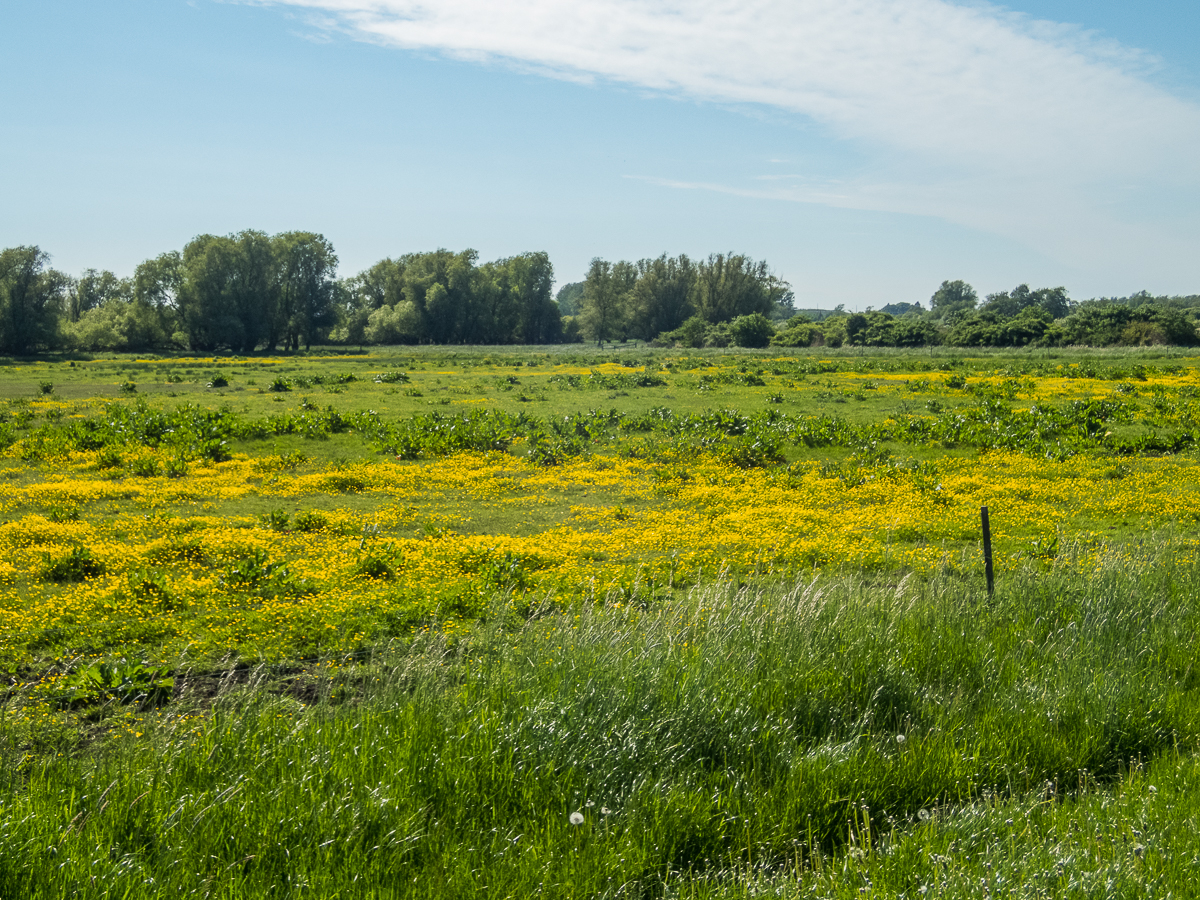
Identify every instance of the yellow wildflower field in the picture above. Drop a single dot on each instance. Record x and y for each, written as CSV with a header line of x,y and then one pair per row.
x,y
599,527
129,528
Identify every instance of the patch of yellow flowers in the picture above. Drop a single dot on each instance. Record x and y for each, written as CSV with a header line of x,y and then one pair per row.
x,y
192,565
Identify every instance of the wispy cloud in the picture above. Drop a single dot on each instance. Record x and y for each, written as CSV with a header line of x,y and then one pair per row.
x,y
973,112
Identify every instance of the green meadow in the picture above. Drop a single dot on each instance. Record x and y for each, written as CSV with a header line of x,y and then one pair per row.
x,y
806,728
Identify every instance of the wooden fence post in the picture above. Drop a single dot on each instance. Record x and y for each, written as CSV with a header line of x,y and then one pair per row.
x,y
987,548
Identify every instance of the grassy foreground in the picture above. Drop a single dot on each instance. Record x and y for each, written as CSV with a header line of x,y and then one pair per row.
x,y
823,738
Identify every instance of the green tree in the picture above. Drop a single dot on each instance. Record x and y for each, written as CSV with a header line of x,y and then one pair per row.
x,y
307,268
229,291
121,325
32,300
1053,301
94,289
606,299
528,279
661,299
444,288
951,299
732,285
570,298
156,284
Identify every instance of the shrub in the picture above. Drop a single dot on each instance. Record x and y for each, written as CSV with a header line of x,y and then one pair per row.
x,y
754,330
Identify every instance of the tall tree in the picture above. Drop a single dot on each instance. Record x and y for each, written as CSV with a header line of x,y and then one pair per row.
x,y
443,287
606,299
306,266
94,289
32,300
156,284
662,298
229,292
569,298
255,287
206,308
530,278
953,298
732,285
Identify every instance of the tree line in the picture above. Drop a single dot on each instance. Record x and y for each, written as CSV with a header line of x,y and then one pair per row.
x,y
253,291
1022,317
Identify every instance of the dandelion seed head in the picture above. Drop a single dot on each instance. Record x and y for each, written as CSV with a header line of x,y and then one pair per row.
x,y
900,739
576,818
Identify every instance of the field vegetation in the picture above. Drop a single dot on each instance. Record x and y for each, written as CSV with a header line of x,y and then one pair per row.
x,y
564,622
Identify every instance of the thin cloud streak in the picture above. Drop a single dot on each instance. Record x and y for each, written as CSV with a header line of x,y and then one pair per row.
x,y
972,112
965,84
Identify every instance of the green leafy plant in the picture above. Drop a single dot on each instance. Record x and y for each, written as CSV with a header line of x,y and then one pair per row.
x,y
78,565
145,467
310,521
276,520
391,378
123,682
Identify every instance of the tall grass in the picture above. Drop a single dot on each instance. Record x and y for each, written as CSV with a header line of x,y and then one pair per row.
x,y
819,738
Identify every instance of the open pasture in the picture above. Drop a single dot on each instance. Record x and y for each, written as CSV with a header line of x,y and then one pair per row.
x,y
734,599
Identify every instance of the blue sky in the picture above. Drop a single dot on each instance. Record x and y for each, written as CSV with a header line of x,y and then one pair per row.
x,y
868,149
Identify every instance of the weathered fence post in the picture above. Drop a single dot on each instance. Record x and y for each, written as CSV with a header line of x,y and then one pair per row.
x,y
987,548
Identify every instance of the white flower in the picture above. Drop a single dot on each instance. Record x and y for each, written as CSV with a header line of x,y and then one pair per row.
x,y
900,739
576,818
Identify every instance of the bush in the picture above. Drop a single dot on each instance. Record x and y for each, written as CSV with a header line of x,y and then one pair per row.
x,y
798,331
754,330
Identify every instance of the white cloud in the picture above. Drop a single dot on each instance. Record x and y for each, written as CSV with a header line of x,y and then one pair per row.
x,y
973,113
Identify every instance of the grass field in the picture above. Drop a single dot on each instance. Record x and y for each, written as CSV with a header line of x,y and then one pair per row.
x,y
578,623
